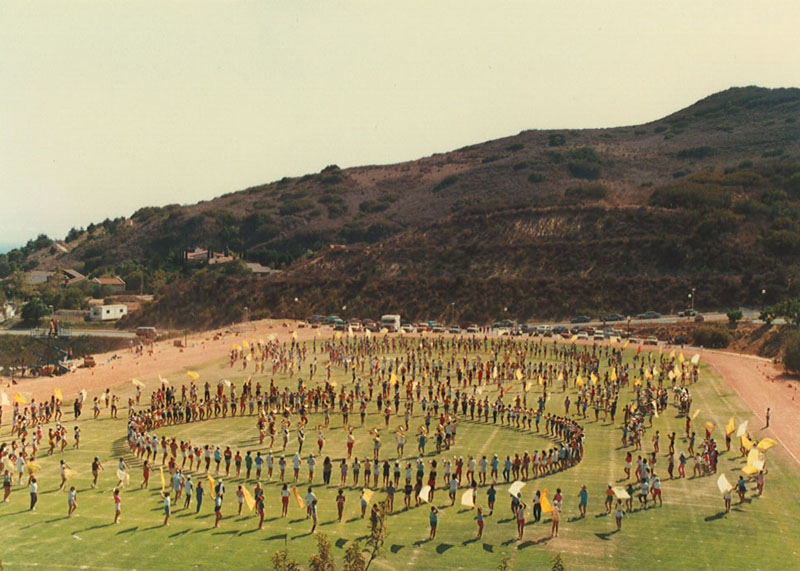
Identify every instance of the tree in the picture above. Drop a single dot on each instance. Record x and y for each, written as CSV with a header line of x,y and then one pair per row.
x,y
282,562
791,352
353,557
322,560
788,310
34,310
558,564
734,316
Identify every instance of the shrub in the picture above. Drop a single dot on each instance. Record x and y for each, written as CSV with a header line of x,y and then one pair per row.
x,y
515,147
520,166
371,206
584,154
586,192
695,153
295,206
711,337
34,310
791,352
691,195
734,316
557,140
535,178
584,169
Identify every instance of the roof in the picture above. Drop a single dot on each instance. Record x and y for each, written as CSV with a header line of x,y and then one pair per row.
x,y
115,281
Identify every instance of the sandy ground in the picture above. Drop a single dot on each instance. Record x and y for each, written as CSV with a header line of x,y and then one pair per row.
x,y
757,382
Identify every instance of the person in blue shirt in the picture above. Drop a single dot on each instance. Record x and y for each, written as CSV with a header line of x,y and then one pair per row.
x,y
583,500
491,493
434,518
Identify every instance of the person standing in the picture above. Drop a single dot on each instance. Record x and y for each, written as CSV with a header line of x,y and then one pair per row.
x,y
117,505
583,501
434,519
520,516
767,415
167,507
340,500
72,504
34,488
198,493
96,467
620,513
479,519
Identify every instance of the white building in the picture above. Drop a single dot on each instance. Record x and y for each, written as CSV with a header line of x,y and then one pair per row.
x,y
7,312
107,312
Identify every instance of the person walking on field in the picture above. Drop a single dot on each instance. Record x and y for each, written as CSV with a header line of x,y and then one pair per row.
x,y
434,519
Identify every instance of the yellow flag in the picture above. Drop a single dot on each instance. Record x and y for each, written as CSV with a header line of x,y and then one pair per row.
x,y
294,335
637,381
69,473
19,399
193,375
4,400
211,485
672,354
625,345
367,495
541,380
58,394
614,374
752,457
681,358
338,335
248,499
545,503
750,470
594,378
696,359
579,381
236,347
393,379
710,426
300,503
695,414
163,481
766,444
574,338
466,499
246,344
730,427
519,375
33,467
746,442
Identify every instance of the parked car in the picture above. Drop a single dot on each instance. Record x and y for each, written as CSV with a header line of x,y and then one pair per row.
x,y
651,341
649,315
473,329
583,336
437,329
408,328
598,335
615,317
455,329
581,319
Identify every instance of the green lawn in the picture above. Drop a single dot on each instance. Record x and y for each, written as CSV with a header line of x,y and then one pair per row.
x,y
688,532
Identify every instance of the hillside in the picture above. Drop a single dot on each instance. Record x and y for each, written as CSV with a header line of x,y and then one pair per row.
x,y
544,223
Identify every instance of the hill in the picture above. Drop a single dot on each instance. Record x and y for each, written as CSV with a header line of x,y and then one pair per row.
x,y
543,224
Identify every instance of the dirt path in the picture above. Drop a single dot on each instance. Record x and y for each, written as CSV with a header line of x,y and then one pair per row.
x,y
120,367
760,385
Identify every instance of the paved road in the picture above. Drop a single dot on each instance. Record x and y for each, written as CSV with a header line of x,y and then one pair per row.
x,y
78,332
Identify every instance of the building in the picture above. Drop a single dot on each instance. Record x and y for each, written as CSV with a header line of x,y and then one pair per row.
x,y
261,271
7,312
201,256
115,284
66,277
108,312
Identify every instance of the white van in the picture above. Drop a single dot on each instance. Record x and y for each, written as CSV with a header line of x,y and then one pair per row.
x,y
391,322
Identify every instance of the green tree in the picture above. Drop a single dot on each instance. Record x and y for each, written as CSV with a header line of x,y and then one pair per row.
x,y
734,316
34,310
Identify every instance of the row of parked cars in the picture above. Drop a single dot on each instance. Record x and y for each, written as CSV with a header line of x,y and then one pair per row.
x,y
614,317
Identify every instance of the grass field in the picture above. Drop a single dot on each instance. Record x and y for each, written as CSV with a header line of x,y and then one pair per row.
x,y
690,531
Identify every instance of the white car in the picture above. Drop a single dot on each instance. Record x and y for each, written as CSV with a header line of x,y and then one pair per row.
x,y
408,328
583,336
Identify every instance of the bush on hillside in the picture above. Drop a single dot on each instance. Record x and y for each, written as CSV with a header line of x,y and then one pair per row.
x,y
584,169
585,192
695,153
791,352
711,337
691,196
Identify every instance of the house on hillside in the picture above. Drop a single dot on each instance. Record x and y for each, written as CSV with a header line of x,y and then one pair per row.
x,y
65,277
115,284
261,271
201,256
108,312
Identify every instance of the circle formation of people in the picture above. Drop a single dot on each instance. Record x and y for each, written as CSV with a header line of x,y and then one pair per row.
x,y
422,389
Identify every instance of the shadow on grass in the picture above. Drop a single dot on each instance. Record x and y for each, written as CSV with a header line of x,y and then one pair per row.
x,y
422,542
129,530
340,543
249,531
98,526
395,548
301,535
279,536
607,535
443,547
180,533
468,541
488,547
715,517
229,532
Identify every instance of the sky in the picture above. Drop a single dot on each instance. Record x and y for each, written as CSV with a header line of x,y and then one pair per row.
x,y
106,107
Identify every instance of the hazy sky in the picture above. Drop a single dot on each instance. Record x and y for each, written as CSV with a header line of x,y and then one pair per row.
x,y
109,106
